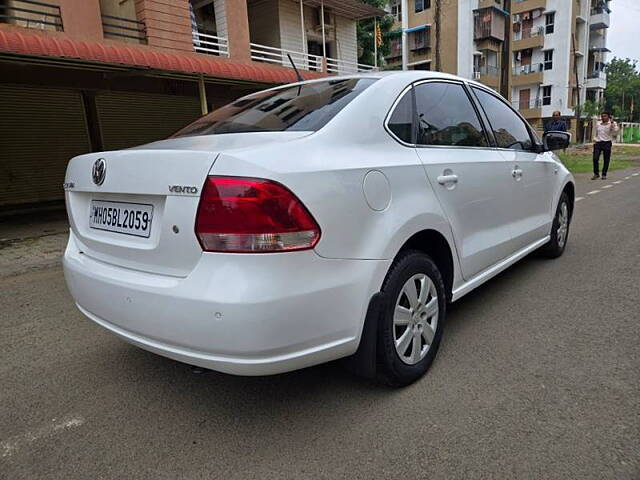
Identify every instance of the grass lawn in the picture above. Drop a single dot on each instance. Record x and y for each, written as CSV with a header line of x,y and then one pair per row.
x,y
579,159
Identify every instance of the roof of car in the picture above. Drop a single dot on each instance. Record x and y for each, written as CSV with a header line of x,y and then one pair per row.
x,y
405,75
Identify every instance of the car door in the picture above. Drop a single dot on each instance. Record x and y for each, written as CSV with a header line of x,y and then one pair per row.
x,y
531,172
469,177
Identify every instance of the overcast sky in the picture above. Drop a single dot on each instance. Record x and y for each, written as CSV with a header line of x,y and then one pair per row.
x,y
624,34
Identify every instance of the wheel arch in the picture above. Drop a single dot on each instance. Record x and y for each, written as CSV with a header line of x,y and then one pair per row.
x,y
434,244
570,190
431,242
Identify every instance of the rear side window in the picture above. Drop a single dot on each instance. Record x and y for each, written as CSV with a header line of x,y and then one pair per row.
x,y
509,129
307,107
401,121
445,116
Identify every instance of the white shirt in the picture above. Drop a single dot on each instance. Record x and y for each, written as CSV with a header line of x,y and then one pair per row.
x,y
605,132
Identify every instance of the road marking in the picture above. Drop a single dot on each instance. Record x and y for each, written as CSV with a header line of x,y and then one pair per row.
x,y
627,178
579,198
55,426
593,192
635,174
607,186
618,182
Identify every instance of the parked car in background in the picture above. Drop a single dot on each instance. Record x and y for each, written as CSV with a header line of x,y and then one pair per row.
x,y
314,221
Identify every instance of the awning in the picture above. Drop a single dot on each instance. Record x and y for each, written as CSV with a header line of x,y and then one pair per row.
x,y
18,43
349,8
418,28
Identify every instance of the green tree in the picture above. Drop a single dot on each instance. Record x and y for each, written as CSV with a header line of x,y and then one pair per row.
x,y
623,89
590,109
366,36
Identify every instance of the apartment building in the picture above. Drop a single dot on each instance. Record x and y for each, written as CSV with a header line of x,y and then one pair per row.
x,y
463,37
542,55
90,75
558,56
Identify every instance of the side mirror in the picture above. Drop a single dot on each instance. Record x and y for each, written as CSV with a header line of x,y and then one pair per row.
x,y
556,141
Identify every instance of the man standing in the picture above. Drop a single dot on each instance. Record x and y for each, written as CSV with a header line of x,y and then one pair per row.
x,y
605,131
556,124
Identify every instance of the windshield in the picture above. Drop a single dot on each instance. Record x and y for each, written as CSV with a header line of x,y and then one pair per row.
x,y
306,107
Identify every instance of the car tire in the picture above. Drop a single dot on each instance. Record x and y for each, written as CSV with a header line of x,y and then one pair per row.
x,y
559,229
400,363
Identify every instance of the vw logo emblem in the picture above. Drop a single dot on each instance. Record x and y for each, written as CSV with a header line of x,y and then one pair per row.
x,y
99,171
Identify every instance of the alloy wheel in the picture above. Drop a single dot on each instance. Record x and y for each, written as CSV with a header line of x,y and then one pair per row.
x,y
563,224
415,318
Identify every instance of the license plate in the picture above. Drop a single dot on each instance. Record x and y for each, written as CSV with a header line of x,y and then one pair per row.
x,y
120,217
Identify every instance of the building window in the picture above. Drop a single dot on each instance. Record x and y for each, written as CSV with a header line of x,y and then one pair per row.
x,y
396,10
420,5
548,59
550,20
418,39
546,95
395,47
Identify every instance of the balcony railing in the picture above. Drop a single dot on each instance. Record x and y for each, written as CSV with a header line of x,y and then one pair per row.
x,y
32,14
337,66
528,69
119,27
525,33
306,61
526,105
486,70
210,44
597,74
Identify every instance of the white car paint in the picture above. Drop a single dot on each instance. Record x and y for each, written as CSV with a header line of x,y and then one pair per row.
x,y
266,313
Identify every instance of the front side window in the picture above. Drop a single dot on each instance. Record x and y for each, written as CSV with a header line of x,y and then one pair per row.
x,y
508,128
401,120
445,116
306,107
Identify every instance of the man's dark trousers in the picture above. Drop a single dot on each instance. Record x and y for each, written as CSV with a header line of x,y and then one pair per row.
x,y
605,148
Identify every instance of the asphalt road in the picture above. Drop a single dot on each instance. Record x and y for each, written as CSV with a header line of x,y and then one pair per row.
x,y
538,377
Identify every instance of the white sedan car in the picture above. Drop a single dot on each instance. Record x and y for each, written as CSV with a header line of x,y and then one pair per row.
x,y
324,219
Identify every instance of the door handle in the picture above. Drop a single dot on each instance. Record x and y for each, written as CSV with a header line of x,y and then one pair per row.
x,y
444,179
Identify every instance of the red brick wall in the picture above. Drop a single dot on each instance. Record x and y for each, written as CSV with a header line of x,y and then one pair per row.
x,y
81,19
168,23
238,30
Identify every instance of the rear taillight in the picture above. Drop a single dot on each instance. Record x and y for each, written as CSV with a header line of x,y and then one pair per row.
x,y
252,215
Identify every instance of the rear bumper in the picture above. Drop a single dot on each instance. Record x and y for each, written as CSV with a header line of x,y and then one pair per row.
x,y
240,314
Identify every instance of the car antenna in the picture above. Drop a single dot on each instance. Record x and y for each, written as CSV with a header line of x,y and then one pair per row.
x,y
300,78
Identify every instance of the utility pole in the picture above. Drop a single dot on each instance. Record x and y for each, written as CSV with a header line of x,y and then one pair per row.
x,y
404,7
438,32
575,69
506,54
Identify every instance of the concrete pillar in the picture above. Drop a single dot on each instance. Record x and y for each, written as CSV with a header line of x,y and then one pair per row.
x,y
81,19
238,30
168,23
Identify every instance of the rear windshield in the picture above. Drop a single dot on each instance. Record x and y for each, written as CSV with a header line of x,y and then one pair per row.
x,y
306,107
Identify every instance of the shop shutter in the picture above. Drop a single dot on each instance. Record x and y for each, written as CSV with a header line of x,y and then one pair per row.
x,y
129,119
41,129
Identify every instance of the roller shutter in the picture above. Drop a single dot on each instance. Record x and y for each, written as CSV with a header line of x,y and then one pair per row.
x,y
41,129
128,119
